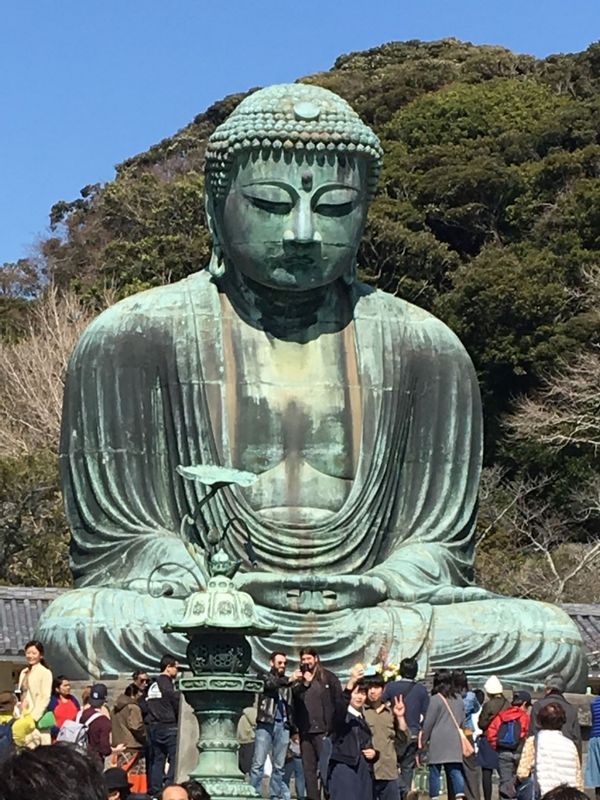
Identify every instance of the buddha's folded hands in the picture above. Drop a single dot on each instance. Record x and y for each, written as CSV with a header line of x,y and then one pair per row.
x,y
308,592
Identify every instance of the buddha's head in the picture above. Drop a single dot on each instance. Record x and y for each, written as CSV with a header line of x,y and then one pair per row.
x,y
289,178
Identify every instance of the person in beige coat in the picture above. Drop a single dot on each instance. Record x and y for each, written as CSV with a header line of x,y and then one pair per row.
x,y
35,688
35,682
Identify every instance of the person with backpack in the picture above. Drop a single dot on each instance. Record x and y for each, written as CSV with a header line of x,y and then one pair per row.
x,y
506,733
8,703
98,725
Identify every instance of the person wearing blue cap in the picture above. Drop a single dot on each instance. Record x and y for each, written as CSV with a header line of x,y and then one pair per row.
x,y
96,718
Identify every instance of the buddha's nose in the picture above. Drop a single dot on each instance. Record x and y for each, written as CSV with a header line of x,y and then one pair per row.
x,y
302,230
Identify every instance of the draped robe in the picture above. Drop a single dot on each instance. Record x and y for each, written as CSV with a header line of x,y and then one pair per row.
x,y
146,391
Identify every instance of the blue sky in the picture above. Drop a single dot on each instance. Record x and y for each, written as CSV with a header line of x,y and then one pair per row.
x,y
86,83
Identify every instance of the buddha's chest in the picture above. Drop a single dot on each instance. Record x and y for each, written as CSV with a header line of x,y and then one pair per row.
x,y
294,418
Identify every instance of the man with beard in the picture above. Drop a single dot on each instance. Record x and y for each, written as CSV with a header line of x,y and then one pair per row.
x,y
316,696
273,724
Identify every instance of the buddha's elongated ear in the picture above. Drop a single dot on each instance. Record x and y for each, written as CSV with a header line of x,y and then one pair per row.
x,y
216,265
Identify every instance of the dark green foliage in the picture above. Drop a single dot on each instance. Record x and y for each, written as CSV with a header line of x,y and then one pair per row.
x,y
514,311
33,531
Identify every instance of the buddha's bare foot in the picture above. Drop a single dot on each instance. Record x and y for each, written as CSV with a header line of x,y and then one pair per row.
x,y
312,592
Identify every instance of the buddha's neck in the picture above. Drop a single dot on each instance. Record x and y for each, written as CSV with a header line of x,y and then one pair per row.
x,y
285,314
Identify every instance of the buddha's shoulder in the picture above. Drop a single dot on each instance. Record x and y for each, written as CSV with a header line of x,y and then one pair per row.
x,y
158,307
405,317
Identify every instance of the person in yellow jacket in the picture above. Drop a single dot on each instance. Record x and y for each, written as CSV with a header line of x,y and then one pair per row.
x,y
35,687
9,712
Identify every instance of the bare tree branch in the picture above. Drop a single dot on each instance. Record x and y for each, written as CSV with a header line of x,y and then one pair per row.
x,y
32,374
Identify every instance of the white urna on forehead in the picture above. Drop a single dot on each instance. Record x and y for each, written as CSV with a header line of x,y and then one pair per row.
x,y
297,122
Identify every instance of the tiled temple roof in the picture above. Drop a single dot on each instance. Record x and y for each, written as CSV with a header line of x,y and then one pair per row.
x,y
587,618
20,609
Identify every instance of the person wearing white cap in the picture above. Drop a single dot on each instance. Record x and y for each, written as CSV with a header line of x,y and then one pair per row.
x,y
487,757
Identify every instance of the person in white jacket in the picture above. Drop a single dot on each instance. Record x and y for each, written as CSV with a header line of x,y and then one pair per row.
x,y
549,756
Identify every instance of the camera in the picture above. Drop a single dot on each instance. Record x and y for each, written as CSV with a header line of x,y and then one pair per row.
x,y
305,668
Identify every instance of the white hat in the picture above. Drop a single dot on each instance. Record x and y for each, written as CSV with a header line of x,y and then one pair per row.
x,y
493,686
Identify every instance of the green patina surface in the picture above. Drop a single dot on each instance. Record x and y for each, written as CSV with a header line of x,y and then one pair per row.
x,y
357,413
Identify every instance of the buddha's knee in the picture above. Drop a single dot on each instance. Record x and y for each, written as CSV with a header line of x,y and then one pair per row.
x,y
520,640
101,632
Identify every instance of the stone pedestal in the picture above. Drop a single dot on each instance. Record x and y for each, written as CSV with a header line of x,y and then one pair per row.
x,y
217,701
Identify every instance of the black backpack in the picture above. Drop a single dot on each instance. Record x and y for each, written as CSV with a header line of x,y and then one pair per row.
x,y
7,743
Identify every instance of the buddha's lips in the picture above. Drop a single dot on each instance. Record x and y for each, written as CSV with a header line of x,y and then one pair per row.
x,y
300,261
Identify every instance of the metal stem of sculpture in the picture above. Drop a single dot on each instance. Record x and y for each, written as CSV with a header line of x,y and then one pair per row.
x,y
216,622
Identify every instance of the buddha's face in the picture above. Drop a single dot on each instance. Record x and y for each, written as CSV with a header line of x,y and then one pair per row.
x,y
294,222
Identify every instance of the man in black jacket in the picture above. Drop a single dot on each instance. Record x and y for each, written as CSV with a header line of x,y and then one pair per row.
x,y
162,702
316,696
273,725
553,693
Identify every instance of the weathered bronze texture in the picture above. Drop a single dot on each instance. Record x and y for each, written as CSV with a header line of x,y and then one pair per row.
x,y
358,414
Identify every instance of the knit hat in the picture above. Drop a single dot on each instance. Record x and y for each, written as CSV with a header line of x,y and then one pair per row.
x,y
493,686
7,702
555,681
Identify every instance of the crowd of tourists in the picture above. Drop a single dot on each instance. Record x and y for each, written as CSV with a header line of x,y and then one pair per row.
x,y
307,736
365,739
130,745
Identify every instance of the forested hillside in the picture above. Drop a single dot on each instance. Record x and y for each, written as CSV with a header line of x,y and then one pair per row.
x,y
488,215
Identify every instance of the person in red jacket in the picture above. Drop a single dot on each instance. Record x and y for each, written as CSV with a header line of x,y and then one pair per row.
x,y
506,734
64,704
